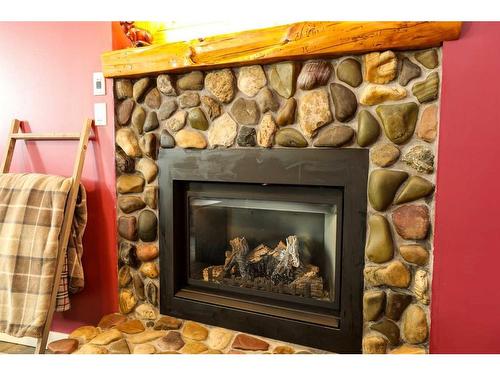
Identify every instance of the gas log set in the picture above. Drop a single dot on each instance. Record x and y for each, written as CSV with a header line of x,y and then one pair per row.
x,y
278,270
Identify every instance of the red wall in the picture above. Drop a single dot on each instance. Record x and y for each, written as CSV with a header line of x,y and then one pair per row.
x,y
466,287
46,79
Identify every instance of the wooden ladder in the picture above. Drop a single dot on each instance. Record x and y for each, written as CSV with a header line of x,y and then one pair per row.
x,y
83,137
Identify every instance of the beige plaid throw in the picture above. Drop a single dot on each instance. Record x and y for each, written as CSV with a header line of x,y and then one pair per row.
x,y
31,214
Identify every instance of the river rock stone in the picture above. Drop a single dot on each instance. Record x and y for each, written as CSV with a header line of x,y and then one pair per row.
x,y
376,94
223,131
415,254
197,120
138,285
427,90
130,184
131,327
408,349
427,58
374,345
91,349
138,118
246,137
427,127
127,254
220,84
286,114
126,139
396,304
335,136
167,322
379,248
398,120
151,122
124,163
147,225
146,312
380,67
314,111
84,334
123,111
167,108
266,131
166,139
151,292
149,145
384,155
411,221
389,329
165,85
150,196
177,121
194,348
344,101
382,186
111,320
191,81
189,99
211,107
284,349
420,158
63,346
289,137
394,274
124,276
373,304
127,301
314,74
368,128
127,227
415,188
171,341
219,338
139,88
149,269
251,79
194,331
245,111
414,327
146,336
267,101
147,252
153,99
283,77
130,204
246,342
349,71
144,349
408,72
148,168
190,139
123,89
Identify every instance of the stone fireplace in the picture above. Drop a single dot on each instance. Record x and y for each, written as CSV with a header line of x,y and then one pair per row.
x,y
291,200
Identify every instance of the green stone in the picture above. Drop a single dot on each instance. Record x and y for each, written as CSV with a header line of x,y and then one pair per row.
x,y
382,186
283,78
344,101
335,136
368,128
428,58
130,184
389,329
289,137
379,248
349,71
415,188
373,304
409,71
398,120
147,224
427,90
196,118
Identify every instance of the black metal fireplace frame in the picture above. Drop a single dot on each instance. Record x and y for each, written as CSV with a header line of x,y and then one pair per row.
x,y
346,169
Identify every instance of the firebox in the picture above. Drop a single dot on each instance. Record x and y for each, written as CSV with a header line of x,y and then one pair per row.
x,y
268,242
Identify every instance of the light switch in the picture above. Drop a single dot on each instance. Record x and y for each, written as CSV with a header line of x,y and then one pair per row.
x,y
100,114
99,83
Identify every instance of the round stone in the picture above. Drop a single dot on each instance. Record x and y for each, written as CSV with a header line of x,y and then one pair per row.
x,y
314,74
335,136
197,120
344,101
415,254
398,120
368,129
379,248
412,222
194,331
147,252
147,226
177,121
191,81
219,338
414,326
166,139
245,111
349,71
373,304
415,188
382,186
220,84
384,155
251,79
149,269
148,168
130,183
374,345
289,137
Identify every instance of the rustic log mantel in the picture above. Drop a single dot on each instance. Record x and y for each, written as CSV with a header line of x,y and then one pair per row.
x,y
302,40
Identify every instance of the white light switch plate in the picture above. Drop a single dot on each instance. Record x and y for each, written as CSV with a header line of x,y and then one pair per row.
x,y
99,83
100,114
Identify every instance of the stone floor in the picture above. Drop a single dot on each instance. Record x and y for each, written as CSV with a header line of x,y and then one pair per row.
x,y
117,334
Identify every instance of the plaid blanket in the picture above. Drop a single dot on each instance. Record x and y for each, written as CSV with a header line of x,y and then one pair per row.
x,y
31,215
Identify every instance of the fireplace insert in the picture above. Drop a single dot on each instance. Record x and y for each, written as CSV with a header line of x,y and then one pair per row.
x,y
266,241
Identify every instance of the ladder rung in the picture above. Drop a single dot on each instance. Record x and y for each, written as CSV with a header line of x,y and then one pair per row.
x,y
47,136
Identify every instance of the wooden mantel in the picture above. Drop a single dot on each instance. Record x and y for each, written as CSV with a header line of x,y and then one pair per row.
x,y
302,40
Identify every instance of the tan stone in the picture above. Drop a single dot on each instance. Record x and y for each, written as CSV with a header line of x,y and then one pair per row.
x,y
194,331
107,337
212,351
84,334
421,286
247,342
190,139
146,312
147,252
220,83
127,140
194,348
131,326
149,269
427,127
266,131
375,94
64,346
170,342
314,111
374,345
127,301
144,349
394,274
167,322
414,254
219,338
177,121
283,349
119,347
148,168
223,131
414,327
384,155
408,349
380,67
91,349
124,276
145,336
251,79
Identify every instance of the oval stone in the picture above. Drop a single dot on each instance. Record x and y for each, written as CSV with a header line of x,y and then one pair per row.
x,y
349,71
127,227
314,74
129,183
335,136
153,99
384,155
245,111
368,128
138,118
139,88
130,204
289,137
190,139
382,186
414,254
151,122
415,327
148,168
344,101
189,99
123,111
147,252
220,84
147,226
379,248
191,81
411,221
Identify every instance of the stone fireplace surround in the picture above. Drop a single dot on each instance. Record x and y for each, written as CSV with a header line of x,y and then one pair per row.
x,y
385,102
